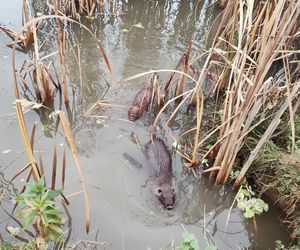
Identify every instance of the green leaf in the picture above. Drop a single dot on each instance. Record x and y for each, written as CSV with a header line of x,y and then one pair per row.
x,y
34,188
194,244
249,213
29,219
13,231
189,242
258,206
22,214
188,237
21,203
44,219
266,207
56,221
54,193
53,212
242,205
42,182
278,245
56,228
54,235
241,196
298,179
34,203
125,30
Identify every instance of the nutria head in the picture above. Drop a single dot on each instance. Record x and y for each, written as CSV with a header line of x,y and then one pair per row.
x,y
166,195
133,113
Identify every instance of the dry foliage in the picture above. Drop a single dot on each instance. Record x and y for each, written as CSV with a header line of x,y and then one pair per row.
x,y
77,8
35,72
252,38
25,39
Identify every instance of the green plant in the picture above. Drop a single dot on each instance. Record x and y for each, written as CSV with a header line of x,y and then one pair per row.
x,y
250,205
31,245
297,134
234,174
279,245
38,209
189,242
289,183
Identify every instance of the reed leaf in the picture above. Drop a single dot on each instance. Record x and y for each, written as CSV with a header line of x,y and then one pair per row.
x,y
25,139
68,133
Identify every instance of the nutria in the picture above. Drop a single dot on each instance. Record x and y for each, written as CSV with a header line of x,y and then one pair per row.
x,y
143,99
160,163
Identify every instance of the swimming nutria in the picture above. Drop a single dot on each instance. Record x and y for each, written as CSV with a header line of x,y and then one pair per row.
x,y
142,99
160,162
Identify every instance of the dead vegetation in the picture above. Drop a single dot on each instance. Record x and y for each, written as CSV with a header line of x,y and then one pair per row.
x,y
255,69
26,38
76,9
36,75
253,38
241,59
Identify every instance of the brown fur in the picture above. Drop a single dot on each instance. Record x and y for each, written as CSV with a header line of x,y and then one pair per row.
x,y
142,100
160,162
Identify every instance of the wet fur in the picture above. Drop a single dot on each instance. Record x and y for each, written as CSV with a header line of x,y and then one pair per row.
x,y
142,100
160,163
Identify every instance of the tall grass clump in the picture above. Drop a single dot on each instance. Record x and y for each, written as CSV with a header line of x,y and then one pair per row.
x,y
88,8
254,76
254,38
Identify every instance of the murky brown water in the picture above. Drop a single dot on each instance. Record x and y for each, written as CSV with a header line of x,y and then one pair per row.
x,y
125,212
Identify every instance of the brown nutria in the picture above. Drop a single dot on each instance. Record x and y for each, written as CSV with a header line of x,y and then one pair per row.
x,y
143,99
160,162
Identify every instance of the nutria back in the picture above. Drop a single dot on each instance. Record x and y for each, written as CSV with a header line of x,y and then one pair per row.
x,y
142,100
160,163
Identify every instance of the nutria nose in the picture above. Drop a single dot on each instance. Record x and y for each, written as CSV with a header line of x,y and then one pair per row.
x,y
169,207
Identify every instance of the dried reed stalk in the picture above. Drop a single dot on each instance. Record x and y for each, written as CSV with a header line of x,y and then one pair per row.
x,y
252,41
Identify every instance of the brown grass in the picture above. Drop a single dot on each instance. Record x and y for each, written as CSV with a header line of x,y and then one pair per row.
x,y
251,40
41,82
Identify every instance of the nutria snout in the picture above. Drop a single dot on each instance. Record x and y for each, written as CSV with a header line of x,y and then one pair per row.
x,y
133,113
166,194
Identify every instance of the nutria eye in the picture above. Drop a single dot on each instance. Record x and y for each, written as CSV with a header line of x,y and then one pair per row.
x,y
159,191
173,190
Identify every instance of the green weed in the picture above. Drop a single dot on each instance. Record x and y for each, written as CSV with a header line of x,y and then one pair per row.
x,y
250,205
38,209
189,242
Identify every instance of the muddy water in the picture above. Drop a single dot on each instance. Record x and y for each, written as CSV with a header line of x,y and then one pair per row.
x,y
125,213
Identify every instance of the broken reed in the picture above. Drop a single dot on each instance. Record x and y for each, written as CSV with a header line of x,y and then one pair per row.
x,y
253,37
78,8
34,73
35,168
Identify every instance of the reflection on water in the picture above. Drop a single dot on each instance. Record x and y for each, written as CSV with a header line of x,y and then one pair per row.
x,y
7,190
125,212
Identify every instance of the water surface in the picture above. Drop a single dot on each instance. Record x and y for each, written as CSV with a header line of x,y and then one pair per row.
x,y
124,211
